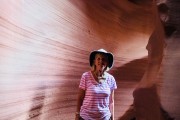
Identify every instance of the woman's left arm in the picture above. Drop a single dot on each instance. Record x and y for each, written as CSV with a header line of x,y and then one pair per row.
x,y
111,104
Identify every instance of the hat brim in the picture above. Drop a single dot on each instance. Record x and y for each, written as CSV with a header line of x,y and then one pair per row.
x,y
109,55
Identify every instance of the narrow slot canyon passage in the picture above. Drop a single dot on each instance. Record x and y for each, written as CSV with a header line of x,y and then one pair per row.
x,y
45,47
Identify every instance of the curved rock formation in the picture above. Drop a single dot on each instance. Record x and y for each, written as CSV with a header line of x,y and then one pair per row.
x,y
45,46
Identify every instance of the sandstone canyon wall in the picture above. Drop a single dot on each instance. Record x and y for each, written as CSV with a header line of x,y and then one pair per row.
x,y
45,46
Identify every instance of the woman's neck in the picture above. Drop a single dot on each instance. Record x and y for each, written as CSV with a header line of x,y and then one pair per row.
x,y
98,73
99,76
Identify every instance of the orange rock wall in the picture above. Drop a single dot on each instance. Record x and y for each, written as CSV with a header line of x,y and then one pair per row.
x,y
45,46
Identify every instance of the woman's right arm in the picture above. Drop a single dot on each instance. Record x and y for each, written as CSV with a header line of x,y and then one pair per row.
x,y
80,99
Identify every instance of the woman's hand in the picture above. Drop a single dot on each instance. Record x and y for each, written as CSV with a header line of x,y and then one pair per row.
x,y
77,117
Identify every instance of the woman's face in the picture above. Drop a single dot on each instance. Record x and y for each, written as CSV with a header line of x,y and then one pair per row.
x,y
101,62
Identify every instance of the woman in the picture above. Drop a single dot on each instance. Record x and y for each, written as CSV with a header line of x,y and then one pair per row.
x,y
96,89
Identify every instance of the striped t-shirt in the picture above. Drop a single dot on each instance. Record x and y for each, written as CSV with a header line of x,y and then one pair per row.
x,y
96,101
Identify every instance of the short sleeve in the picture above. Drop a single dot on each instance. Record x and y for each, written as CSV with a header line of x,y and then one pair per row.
x,y
82,84
113,83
